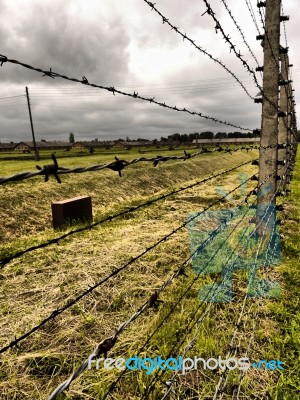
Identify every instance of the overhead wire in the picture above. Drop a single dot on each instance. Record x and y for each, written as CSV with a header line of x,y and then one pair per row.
x,y
185,37
240,31
135,95
250,8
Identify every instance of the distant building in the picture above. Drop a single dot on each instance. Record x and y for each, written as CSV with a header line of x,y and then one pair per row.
x,y
26,147
92,145
7,146
129,145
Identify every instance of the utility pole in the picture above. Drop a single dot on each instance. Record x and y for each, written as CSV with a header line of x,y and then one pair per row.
x,y
269,126
36,152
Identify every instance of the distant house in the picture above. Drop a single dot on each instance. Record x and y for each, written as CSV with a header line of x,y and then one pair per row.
x,y
91,145
7,146
26,147
129,145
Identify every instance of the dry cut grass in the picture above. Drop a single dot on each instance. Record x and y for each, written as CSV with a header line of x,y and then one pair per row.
x,y
39,282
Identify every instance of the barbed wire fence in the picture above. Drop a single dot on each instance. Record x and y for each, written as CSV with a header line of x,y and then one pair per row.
x,y
282,148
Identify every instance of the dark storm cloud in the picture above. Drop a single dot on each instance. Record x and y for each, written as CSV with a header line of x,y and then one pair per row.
x,y
108,46
49,34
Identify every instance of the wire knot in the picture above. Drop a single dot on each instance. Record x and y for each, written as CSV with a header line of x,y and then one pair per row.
x,y
118,165
51,169
106,345
49,73
186,155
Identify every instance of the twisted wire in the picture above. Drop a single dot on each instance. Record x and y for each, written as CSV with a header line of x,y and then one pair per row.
x,y
113,90
118,165
250,8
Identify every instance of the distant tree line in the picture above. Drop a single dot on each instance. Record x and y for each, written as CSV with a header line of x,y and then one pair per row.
x,y
185,138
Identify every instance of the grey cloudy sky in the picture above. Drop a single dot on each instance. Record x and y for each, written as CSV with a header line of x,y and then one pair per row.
x,y
124,44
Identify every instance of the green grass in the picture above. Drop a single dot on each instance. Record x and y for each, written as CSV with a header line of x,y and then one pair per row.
x,y
286,313
39,282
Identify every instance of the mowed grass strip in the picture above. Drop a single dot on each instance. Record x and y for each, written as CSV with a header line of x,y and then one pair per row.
x,y
39,282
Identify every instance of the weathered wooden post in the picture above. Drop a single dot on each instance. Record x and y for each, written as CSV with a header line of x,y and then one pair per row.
x,y
269,126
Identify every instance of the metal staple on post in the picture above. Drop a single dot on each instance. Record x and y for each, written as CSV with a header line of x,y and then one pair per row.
x,y
283,121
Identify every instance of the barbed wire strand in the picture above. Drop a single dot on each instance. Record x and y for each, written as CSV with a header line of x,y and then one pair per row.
x,y
250,8
113,90
115,272
117,165
238,54
240,30
227,39
5,260
185,37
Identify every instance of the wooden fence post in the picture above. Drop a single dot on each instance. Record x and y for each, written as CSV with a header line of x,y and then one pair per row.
x,y
269,126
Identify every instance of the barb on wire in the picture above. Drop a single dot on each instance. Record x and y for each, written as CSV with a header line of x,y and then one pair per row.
x,y
185,37
114,90
115,272
51,169
118,165
5,260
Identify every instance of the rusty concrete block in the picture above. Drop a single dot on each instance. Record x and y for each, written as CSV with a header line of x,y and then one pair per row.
x,y
71,210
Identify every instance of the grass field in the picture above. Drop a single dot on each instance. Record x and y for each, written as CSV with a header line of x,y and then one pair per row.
x,y
41,281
